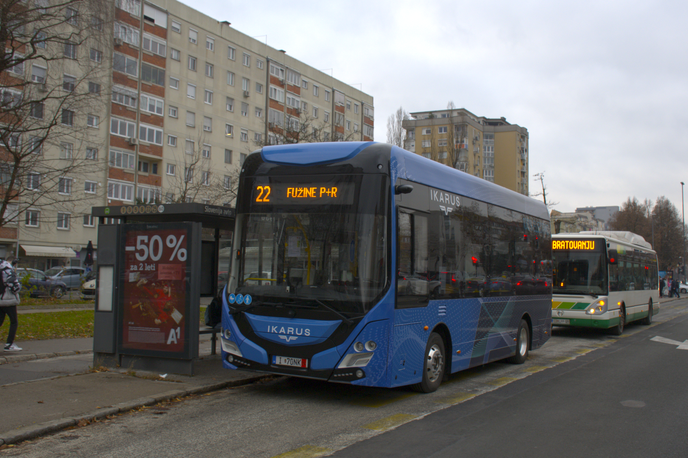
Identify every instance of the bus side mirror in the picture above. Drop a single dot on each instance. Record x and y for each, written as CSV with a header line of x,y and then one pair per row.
x,y
403,189
612,256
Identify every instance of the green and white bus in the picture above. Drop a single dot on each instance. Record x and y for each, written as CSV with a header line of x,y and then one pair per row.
x,y
603,279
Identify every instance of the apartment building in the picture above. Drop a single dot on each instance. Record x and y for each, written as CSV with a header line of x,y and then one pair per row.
x,y
492,149
187,98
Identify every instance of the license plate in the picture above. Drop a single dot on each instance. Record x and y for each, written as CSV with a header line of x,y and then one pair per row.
x,y
560,321
289,361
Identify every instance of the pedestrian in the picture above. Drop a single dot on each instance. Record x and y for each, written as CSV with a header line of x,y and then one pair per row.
x,y
662,285
9,299
675,288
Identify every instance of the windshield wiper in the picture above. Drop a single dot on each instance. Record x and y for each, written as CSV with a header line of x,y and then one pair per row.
x,y
346,320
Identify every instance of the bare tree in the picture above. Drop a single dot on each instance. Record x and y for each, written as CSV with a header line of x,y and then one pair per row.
x,y
299,127
396,134
197,180
541,176
51,69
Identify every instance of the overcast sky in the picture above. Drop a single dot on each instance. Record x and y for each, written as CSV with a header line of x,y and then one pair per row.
x,y
601,86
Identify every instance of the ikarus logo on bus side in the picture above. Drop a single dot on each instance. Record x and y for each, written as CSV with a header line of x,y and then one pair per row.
x,y
449,201
288,333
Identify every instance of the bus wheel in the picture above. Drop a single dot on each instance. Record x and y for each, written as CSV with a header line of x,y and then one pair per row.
x,y
619,328
648,320
522,341
434,365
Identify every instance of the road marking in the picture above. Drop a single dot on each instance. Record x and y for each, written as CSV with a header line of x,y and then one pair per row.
x,y
390,422
307,451
535,369
679,345
457,398
501,381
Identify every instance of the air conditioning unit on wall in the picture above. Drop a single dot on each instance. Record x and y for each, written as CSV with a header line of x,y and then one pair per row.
x,y
118,41
133,141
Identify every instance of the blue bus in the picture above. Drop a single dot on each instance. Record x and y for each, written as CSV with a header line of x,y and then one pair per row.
x,y
363,263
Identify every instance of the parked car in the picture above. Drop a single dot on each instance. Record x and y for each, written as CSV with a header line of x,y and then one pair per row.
x,y
37,283
72,276
88,287
682,288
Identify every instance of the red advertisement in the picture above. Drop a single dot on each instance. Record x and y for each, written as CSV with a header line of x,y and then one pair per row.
x,y
155,290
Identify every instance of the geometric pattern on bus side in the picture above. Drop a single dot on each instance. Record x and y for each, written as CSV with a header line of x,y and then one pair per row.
x,y
570,305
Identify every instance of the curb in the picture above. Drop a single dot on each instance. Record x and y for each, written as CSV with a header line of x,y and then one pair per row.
x,y
33,356
50,427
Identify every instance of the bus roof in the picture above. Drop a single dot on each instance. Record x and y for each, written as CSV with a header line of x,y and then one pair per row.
x,y
408,166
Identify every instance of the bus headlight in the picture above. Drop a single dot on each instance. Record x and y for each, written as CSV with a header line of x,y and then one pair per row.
x,y
597,308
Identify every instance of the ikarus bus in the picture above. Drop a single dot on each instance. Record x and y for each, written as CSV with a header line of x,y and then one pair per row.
x,y
603,279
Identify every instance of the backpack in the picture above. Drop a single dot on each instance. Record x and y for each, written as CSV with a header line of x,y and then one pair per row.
x,y
8,278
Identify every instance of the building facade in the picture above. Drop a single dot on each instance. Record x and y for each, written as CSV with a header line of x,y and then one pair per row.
x,y
492,149
183,99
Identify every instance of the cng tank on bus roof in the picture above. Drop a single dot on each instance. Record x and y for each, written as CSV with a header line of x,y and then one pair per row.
x,y
312,153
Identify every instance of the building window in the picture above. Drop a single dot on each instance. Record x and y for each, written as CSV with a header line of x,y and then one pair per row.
x,y
205,151
205,178
154,45
150,134
327,116
442,129
125,64
244,135
153,75
277,71
209,70
259,88
356,108
38,74
259,112
33,181
316,90
96,56
190,147
124,96
130,6
193,36
230,104
315,112
175,54
92,154
63,221
247,60
127,34
227,182
426,143
92,120
121,159
32,218
67,117
89,221
172,141
36,145
229,130
231,53
277,94
90,187
70,50
230,78
174,83
64,186
68,83
122,128
120,191
327,96
244,109
190,91
245,84
192,63
36,110
188,174
210,44
427,131
173,112
152,105
171,169
176,27
242,158
207,124
93,88
228,156
208,97
190,119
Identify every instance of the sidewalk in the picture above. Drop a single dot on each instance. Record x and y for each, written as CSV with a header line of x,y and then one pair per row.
x,y
35,408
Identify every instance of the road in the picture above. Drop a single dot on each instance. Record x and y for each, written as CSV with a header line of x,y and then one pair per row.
x,y
582,394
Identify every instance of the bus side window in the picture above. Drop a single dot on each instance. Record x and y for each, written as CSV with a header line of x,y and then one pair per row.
x,y
412,257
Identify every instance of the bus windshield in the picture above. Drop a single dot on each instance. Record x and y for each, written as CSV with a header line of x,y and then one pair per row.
x,y
580,272
315,253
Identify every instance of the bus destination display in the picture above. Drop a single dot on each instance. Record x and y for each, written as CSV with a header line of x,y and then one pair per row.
x,y
309,194
574,245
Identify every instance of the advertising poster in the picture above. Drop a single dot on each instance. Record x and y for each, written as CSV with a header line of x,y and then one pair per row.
x,y
155,289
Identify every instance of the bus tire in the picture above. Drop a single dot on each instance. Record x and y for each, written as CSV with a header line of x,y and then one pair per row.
x,y
619,328
434,365
522,344
648,319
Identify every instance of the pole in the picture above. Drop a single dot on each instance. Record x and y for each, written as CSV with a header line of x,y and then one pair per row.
x,y
683,222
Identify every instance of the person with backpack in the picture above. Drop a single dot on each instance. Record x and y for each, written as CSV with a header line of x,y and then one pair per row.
x,y
9,299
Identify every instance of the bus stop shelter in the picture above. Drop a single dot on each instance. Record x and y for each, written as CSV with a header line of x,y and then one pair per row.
x,y
155,263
